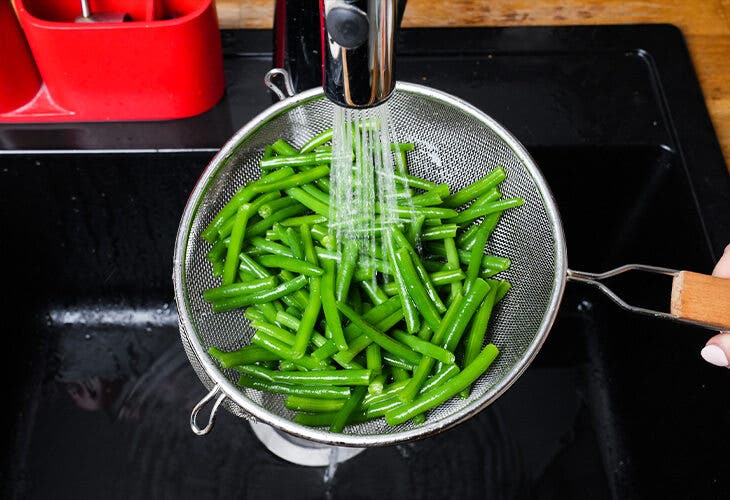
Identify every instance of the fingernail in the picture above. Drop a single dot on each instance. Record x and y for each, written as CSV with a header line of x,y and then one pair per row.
x,y
714,355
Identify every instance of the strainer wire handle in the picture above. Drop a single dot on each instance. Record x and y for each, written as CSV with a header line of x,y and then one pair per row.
x,y
594,279
288,89
211,418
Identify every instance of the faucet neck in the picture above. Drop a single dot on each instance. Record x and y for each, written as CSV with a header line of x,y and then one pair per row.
x,y
344,45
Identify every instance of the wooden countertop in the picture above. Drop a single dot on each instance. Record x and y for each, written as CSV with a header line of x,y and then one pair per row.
x,y
705,24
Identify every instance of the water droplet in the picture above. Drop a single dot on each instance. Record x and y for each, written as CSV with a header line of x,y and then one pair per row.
x,y
87,336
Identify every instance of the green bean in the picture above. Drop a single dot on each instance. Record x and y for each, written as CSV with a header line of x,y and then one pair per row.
x,y
309,220
253,314
377,384
478,330
477,250
320,233
249,265
323,184
374,292
438,278
431,197
284,351
427,212
490,221
312,378
426,364
271,207
489,208
261,226
302,160
415,288
413,181
244,356
489,262
465,238
400,374
299,298
290,264
424,347
471,302
217,251
235,289
284,148
300,179
243,195
383,340
343,414
439,232
309,201
271,247
420,270
446,391
298,390
388,391
312,190
504,287
274,331
410,312
442,375
402,146
291,237
380,408
414,230
301,403
425,333
452,258
260,298
309,317
305,234
329,306
325,347
476,189
347,269
374,360
234,247
317,141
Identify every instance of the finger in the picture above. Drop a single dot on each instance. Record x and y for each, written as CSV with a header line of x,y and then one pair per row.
x,y
717,350
722,269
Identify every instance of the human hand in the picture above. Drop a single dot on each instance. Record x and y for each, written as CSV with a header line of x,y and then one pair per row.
x,y
717,350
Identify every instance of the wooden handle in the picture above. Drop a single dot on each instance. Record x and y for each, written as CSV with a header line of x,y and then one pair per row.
x,y
700,297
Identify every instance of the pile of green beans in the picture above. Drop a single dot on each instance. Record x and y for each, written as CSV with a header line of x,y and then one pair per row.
x,y
347,336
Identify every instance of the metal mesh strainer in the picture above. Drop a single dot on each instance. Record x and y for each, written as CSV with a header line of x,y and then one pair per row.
x,y
456,144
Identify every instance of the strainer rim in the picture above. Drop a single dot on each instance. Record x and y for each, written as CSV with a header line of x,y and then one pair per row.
x,y
257,412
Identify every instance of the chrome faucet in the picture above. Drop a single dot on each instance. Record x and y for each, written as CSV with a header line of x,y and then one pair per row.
x,y
347,46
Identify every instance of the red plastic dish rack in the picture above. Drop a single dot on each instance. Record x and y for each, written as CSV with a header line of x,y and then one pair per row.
x,y
166,63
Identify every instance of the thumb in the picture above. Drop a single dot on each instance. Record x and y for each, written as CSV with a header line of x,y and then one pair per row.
x,y
717,350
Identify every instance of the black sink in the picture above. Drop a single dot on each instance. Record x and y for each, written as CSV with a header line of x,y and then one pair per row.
x,y
100,390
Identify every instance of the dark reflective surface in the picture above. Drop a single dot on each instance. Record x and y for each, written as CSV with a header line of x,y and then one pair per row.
x,y
99,389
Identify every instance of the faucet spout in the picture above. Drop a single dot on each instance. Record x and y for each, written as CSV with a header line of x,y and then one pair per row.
x,y
358,42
